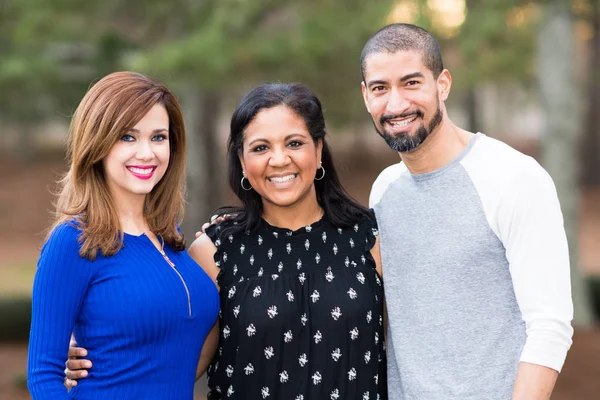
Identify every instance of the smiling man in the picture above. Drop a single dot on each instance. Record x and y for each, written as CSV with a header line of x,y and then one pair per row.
x,y
474,252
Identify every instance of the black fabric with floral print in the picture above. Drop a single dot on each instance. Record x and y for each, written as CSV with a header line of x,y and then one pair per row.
x,y
301,314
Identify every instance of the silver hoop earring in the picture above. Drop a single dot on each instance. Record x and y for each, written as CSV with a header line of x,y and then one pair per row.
x,y
322,176
242,184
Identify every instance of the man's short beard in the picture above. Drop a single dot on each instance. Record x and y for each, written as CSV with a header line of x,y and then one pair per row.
x,y
405,142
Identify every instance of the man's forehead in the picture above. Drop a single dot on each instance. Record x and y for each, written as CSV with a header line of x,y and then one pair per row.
x,y
398,62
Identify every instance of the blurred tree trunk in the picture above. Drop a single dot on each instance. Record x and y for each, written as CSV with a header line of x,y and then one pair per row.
x,y
590,146
205,160
559,96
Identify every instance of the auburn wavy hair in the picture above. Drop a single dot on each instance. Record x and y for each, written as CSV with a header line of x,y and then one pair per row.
x,y
110,108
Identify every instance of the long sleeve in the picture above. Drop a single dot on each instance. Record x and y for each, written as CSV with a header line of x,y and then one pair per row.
x,y
59,288
532,231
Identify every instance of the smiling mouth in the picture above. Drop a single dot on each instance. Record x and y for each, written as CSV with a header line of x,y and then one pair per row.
x,y
401,123
282,179
142,172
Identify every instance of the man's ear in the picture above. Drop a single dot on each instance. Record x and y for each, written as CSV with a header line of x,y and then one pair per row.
x,y
444,84
365,94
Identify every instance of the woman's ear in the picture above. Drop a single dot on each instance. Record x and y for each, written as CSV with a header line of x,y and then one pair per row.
x,y
319,151
243,165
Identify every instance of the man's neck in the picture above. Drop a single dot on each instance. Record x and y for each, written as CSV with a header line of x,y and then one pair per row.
x,y
439,149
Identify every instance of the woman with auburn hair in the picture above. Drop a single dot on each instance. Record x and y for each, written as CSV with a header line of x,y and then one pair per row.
x,y
114,269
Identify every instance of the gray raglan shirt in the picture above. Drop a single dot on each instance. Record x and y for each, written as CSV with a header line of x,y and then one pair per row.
x,y
476,272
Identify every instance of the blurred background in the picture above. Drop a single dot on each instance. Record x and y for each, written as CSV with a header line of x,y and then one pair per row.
x,y
525,72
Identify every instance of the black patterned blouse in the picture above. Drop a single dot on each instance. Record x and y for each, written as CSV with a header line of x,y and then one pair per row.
x,y
301,314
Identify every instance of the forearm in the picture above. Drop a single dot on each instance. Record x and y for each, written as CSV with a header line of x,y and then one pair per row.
x,y
209,349
534,382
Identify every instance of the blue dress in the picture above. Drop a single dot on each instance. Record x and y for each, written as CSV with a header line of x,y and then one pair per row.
x,y
142,317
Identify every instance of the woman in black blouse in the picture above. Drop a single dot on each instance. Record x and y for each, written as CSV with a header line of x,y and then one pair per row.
x,y
297,265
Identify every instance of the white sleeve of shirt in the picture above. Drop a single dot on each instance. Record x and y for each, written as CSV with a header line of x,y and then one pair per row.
x,y
383,181
522,208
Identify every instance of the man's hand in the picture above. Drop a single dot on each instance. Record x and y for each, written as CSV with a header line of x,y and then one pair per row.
x,y
213,221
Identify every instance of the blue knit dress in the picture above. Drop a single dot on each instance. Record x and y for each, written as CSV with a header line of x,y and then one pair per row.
x,y
142,320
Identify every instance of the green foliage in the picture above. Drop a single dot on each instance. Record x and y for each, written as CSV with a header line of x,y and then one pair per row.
x,y
15,318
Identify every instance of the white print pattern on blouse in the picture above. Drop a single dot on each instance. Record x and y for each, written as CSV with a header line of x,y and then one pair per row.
x,y
376,338
376,377
347,261
360,277
230,391
260,240
217,242
329,276
260,271
302,278
340,231
351,243
252,260
229,371
276,234
377,279
303,319
355,227
257,291
231,292
251,330
366,396
287,336
335,249
242,249
269,352
353,264
335,394
226,331
315,296
307,244
290,296
249,369
265,392
324,237
230,237
336,313
318,258
272,312
235,269
352,374
280,267
283,376
225,256
363,259
336,354
318,337
236,311
288,248
367,357
299,264
308,228
270,253
302,360
316,378
289,233
274,277
369,316
381,320
374,231
354,333
299,397
352,294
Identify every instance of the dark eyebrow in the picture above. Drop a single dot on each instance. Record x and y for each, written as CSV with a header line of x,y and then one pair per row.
x,y
403,79
411,76
285,139
154,131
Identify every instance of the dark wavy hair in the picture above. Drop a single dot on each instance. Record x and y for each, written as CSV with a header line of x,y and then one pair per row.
x,y
340,209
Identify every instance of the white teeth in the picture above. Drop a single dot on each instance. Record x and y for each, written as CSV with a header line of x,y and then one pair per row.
x,y
141,171
281,179
402,124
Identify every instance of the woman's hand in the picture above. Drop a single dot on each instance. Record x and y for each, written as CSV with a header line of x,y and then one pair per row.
x,y
76,366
